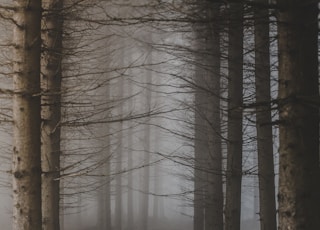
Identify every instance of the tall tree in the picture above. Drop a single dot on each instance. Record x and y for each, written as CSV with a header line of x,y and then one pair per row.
x,y
235,100
299,114
263,119
201,107
52,20
146,146
214,193
104,199
119,157
26,168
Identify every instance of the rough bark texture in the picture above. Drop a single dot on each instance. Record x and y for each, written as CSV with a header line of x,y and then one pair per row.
x,y
235,86
26,168
51,112
263,120
299,117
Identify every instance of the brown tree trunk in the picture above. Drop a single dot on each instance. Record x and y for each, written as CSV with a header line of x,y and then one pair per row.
x,y
26,167
263,119
235,86
299,115
51,112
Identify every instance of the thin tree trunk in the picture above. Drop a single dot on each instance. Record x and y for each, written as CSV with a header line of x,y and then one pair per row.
x,y
299,115
146,148
104,214
26,164
199,161
118,198
130,211
263,119
235,86
51,112
201,107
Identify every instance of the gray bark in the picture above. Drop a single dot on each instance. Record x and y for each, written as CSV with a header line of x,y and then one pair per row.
x,y
146,146
51,112
26,165
118,189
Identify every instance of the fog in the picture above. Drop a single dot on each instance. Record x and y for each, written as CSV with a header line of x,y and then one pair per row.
x,y
128,114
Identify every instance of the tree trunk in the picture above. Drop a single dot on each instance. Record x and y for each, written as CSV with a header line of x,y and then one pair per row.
x,y
235,86
51,112
214,194
119,142
199,175
130,207
200,142
26,165
299,115
263,119
104,212
146,148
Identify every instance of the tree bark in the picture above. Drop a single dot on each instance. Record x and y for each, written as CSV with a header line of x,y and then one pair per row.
x,y
26,167
214,193
235,100
263,119
51,112
299,116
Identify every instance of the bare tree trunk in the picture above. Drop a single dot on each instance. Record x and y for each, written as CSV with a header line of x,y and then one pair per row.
x,y
119,142
201,129
263,119
235,86
26,164
214,211
104,214
51,112
130,211
299,115
200,147
146,148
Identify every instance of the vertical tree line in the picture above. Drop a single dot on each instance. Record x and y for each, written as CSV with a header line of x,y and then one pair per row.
x,y
210,99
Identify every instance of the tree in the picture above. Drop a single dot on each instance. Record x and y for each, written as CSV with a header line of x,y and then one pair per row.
x,y
214,192
119,157
146,145
298,115
263,119
26,168
52,20
235,99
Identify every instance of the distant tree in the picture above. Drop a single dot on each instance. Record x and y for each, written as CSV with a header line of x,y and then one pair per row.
x,y
299,115
146,145
26,167
263,118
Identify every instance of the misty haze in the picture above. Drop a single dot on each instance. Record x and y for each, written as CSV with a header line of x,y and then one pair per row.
x,y
159,115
